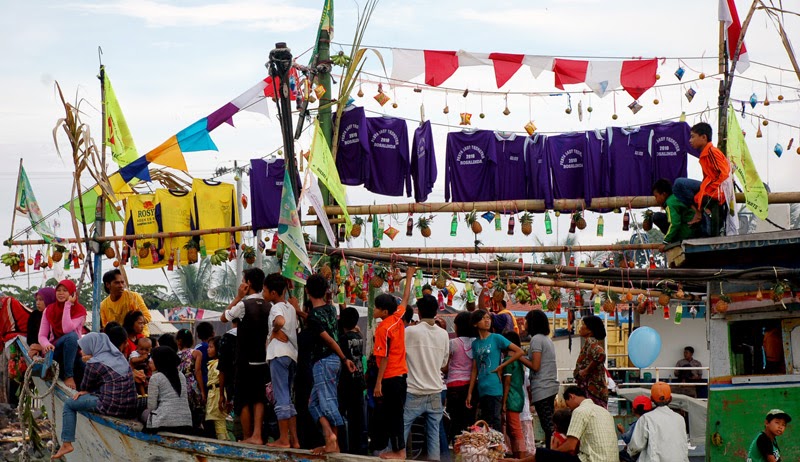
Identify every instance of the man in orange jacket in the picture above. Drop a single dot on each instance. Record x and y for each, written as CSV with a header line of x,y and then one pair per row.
x,y
706,198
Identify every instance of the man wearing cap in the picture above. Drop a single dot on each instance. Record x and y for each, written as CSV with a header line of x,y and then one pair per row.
x,y
660,435
641,405
764,447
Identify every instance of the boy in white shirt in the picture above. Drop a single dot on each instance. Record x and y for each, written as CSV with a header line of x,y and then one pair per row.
x,y
282,357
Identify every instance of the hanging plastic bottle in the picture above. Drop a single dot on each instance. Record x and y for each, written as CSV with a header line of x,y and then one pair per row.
x,y
410,226
678,314
382,228
462,276
666,312
449,298
417,288
342,233
572,260
511,223
340,296
390,280
548,225
572,225
600,226
21,262
626,221
125,253
134,260
76,261
204,251
454,225
171,261
154,253
597,304
440,297
652,262
67,261
470,292
37,261
498,222
232,249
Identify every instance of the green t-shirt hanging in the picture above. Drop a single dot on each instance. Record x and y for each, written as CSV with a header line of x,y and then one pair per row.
x,y
516,400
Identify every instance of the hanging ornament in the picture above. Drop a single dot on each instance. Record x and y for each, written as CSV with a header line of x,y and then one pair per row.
x,y
753,100
548,225
626,221
319,91
658,76
391,231
446,110
780,97
360,93
466,92
600,226
701,76
466,118
381,97
679,72
580,111
766,99
690,94
789,146
682,118
678,314
394,105
568,110
758,133
511,223
498,223
454,225
488,216
666,312
656,101
481,115
765,122
614,117
506,111
530,128
634,107
778,150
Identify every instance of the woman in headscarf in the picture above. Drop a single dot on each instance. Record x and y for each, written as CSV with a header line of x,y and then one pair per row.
x,y
167,402
61,327
45,297
108,387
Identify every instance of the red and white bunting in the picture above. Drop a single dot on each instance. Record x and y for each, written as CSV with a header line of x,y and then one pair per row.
x,y
602,76
733,30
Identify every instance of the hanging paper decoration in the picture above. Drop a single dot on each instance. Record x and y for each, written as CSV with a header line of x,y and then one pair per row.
x,y
391,231
753,100
465,118
580,111
488,216
690,94
679,73
530,128
789,146
381,98
319,91
634,107
778,149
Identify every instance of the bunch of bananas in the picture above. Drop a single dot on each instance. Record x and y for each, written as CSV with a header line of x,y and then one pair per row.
x,y
220,256
340,59
11,259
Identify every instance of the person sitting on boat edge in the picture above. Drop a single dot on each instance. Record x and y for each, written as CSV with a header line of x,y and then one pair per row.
x,y
674,221
44,298
764,447
167,402
121,301
107,386
61,327
661,431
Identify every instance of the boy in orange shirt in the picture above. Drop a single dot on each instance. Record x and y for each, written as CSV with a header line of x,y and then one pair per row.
x,y
390,388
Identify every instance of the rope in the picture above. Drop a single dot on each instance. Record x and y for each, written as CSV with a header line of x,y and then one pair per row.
x,y
26,392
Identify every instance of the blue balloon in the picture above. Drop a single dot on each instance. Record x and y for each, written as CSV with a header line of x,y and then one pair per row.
x,y
644,345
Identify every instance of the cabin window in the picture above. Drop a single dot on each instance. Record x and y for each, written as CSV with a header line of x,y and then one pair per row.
x,y
757,346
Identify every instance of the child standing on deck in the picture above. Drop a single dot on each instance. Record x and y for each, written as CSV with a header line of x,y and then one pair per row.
x,y
213,412
487,367
513,401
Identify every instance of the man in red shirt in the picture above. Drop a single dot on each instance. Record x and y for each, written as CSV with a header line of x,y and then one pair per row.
x,y
390,387
706,198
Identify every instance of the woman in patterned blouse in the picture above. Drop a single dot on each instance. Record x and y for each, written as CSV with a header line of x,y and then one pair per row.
x,y
107,383
590,370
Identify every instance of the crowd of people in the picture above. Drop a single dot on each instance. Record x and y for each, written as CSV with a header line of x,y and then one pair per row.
x,y
285,365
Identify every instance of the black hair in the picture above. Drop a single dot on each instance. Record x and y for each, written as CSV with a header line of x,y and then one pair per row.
x,y
573,390
348,318
275,282
110,325
503,302
595,325
476,316
255,276
462,325
217,342
561,420
663,186
689,349
385,302
536,322
427,306
427,287
117,335
166,361
109,277
168,340
130,320
317,286
184,338
703,128
154,340
513,337
639,409
204,330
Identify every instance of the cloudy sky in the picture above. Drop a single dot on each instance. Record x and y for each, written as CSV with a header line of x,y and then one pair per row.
x,y
173,62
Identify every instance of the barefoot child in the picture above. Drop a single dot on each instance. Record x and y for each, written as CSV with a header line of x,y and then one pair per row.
x,y
213,413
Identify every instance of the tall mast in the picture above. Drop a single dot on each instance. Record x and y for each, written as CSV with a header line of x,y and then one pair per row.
x,y
100,211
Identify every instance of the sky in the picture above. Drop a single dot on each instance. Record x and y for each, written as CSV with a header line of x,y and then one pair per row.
x,y
174,62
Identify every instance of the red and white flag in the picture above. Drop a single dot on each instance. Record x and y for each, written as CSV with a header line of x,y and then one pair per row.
x,y
733,30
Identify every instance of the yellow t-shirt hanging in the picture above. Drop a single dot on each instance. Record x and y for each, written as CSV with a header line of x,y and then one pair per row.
x,y
174,214
140,218
215,207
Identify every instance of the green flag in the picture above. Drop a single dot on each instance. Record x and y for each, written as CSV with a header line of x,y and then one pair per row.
x,y
292,268
755,192
325,24
25,205
322,164
87,213
118,136
289,230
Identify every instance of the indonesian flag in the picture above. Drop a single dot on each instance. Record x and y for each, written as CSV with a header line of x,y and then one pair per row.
x,y
733,30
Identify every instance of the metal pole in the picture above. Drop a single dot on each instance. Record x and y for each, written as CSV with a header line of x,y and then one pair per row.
x,y
99,215
240,208
280,62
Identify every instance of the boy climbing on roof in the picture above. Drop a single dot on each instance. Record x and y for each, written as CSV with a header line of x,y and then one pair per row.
x,y
674,223
764,447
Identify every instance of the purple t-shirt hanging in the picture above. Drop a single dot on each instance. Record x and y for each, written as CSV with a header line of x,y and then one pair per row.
x,y
351,157
631,166
423,162
470,166
511,173
538,167
596,165
389,168
566,155
266,185
669,144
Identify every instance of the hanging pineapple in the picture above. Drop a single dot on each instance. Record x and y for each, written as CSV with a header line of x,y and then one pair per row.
x,y
610,300
192,248
647,220
555,299
721,306
580,222
424,226
249,254
58,252
472,221
379,276
355,231
526,222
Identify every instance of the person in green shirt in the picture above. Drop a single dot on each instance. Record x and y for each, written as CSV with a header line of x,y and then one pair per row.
x,y
674,223
764,447
513,400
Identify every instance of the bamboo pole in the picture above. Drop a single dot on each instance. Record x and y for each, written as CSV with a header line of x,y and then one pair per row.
x,y
514,249
531,205
132,237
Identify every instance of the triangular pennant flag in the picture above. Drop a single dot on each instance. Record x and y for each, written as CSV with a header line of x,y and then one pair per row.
x,y
26,205
569,71
322,164
638,76
505,66
439,66
118,136
755,192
